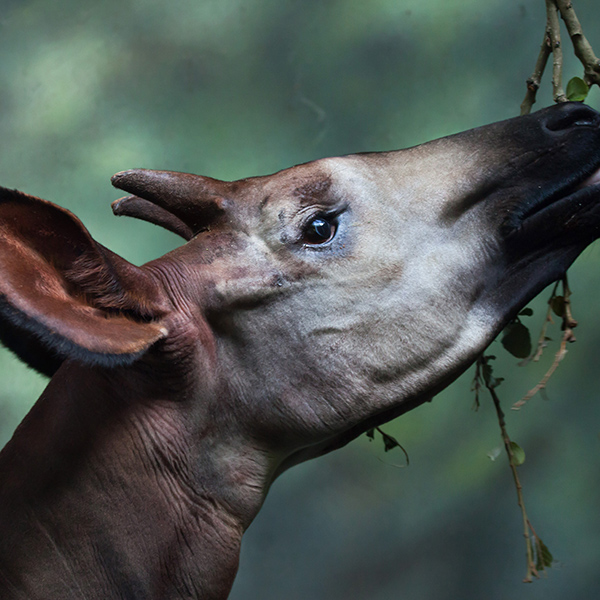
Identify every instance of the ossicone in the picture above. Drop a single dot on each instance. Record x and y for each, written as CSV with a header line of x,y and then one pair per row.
x,y
183,203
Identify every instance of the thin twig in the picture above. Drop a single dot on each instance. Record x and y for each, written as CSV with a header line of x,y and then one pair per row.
x,y
531,567
533,83
569,323
544,380
551,43
553,29
542,340
582,47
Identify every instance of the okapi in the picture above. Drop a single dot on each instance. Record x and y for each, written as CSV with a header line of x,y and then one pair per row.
x,y
305,308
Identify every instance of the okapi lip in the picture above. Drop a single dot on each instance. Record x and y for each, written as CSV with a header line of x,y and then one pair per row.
x,y
568,219
592,180
576,196
575,188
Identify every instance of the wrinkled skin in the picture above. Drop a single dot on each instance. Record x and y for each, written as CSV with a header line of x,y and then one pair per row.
x,y
190,383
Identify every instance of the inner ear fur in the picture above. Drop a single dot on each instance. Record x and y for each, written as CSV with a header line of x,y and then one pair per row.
x,y
63,295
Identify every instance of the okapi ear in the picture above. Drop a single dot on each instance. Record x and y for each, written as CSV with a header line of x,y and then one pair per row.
x,y
180,202
63,295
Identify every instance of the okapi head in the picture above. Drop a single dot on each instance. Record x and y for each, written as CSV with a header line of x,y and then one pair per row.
x,y
304,308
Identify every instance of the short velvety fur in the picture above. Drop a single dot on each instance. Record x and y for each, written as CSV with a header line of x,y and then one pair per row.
x,y
307,307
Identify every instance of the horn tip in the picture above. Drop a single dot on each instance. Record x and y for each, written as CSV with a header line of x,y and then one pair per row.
x,y
119,177
119,206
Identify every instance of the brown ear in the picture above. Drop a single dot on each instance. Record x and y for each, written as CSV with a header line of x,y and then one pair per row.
x,y
64,295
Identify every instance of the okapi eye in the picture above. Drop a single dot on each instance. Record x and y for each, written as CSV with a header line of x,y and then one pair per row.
x,y
319,231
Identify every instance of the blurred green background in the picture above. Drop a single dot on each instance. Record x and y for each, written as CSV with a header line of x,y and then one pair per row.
x,y
234,88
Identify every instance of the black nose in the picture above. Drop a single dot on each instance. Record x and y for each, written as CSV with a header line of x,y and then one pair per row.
x,y
569,115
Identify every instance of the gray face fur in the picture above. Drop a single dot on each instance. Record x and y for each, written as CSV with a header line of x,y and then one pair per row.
x,y
435,249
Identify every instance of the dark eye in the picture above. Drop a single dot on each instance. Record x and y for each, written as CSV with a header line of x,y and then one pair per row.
x,y
319,231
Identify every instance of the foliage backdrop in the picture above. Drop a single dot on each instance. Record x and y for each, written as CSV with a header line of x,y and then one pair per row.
x,y
232,88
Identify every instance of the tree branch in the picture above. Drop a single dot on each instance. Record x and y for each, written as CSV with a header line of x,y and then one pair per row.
x,y
533,83
484,377
552,43
553,29
583,49
568,324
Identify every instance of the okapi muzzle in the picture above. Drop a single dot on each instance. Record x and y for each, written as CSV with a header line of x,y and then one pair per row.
x,y
304,308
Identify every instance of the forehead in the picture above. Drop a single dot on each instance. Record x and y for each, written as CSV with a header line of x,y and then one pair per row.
x,y
320,182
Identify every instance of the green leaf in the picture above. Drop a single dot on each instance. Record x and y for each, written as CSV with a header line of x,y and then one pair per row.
x,y
558,306
518,454
389,443
543,555
526,312
577,90
517,340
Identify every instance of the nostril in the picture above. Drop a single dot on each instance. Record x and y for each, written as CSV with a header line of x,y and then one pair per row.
x,y
571,114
